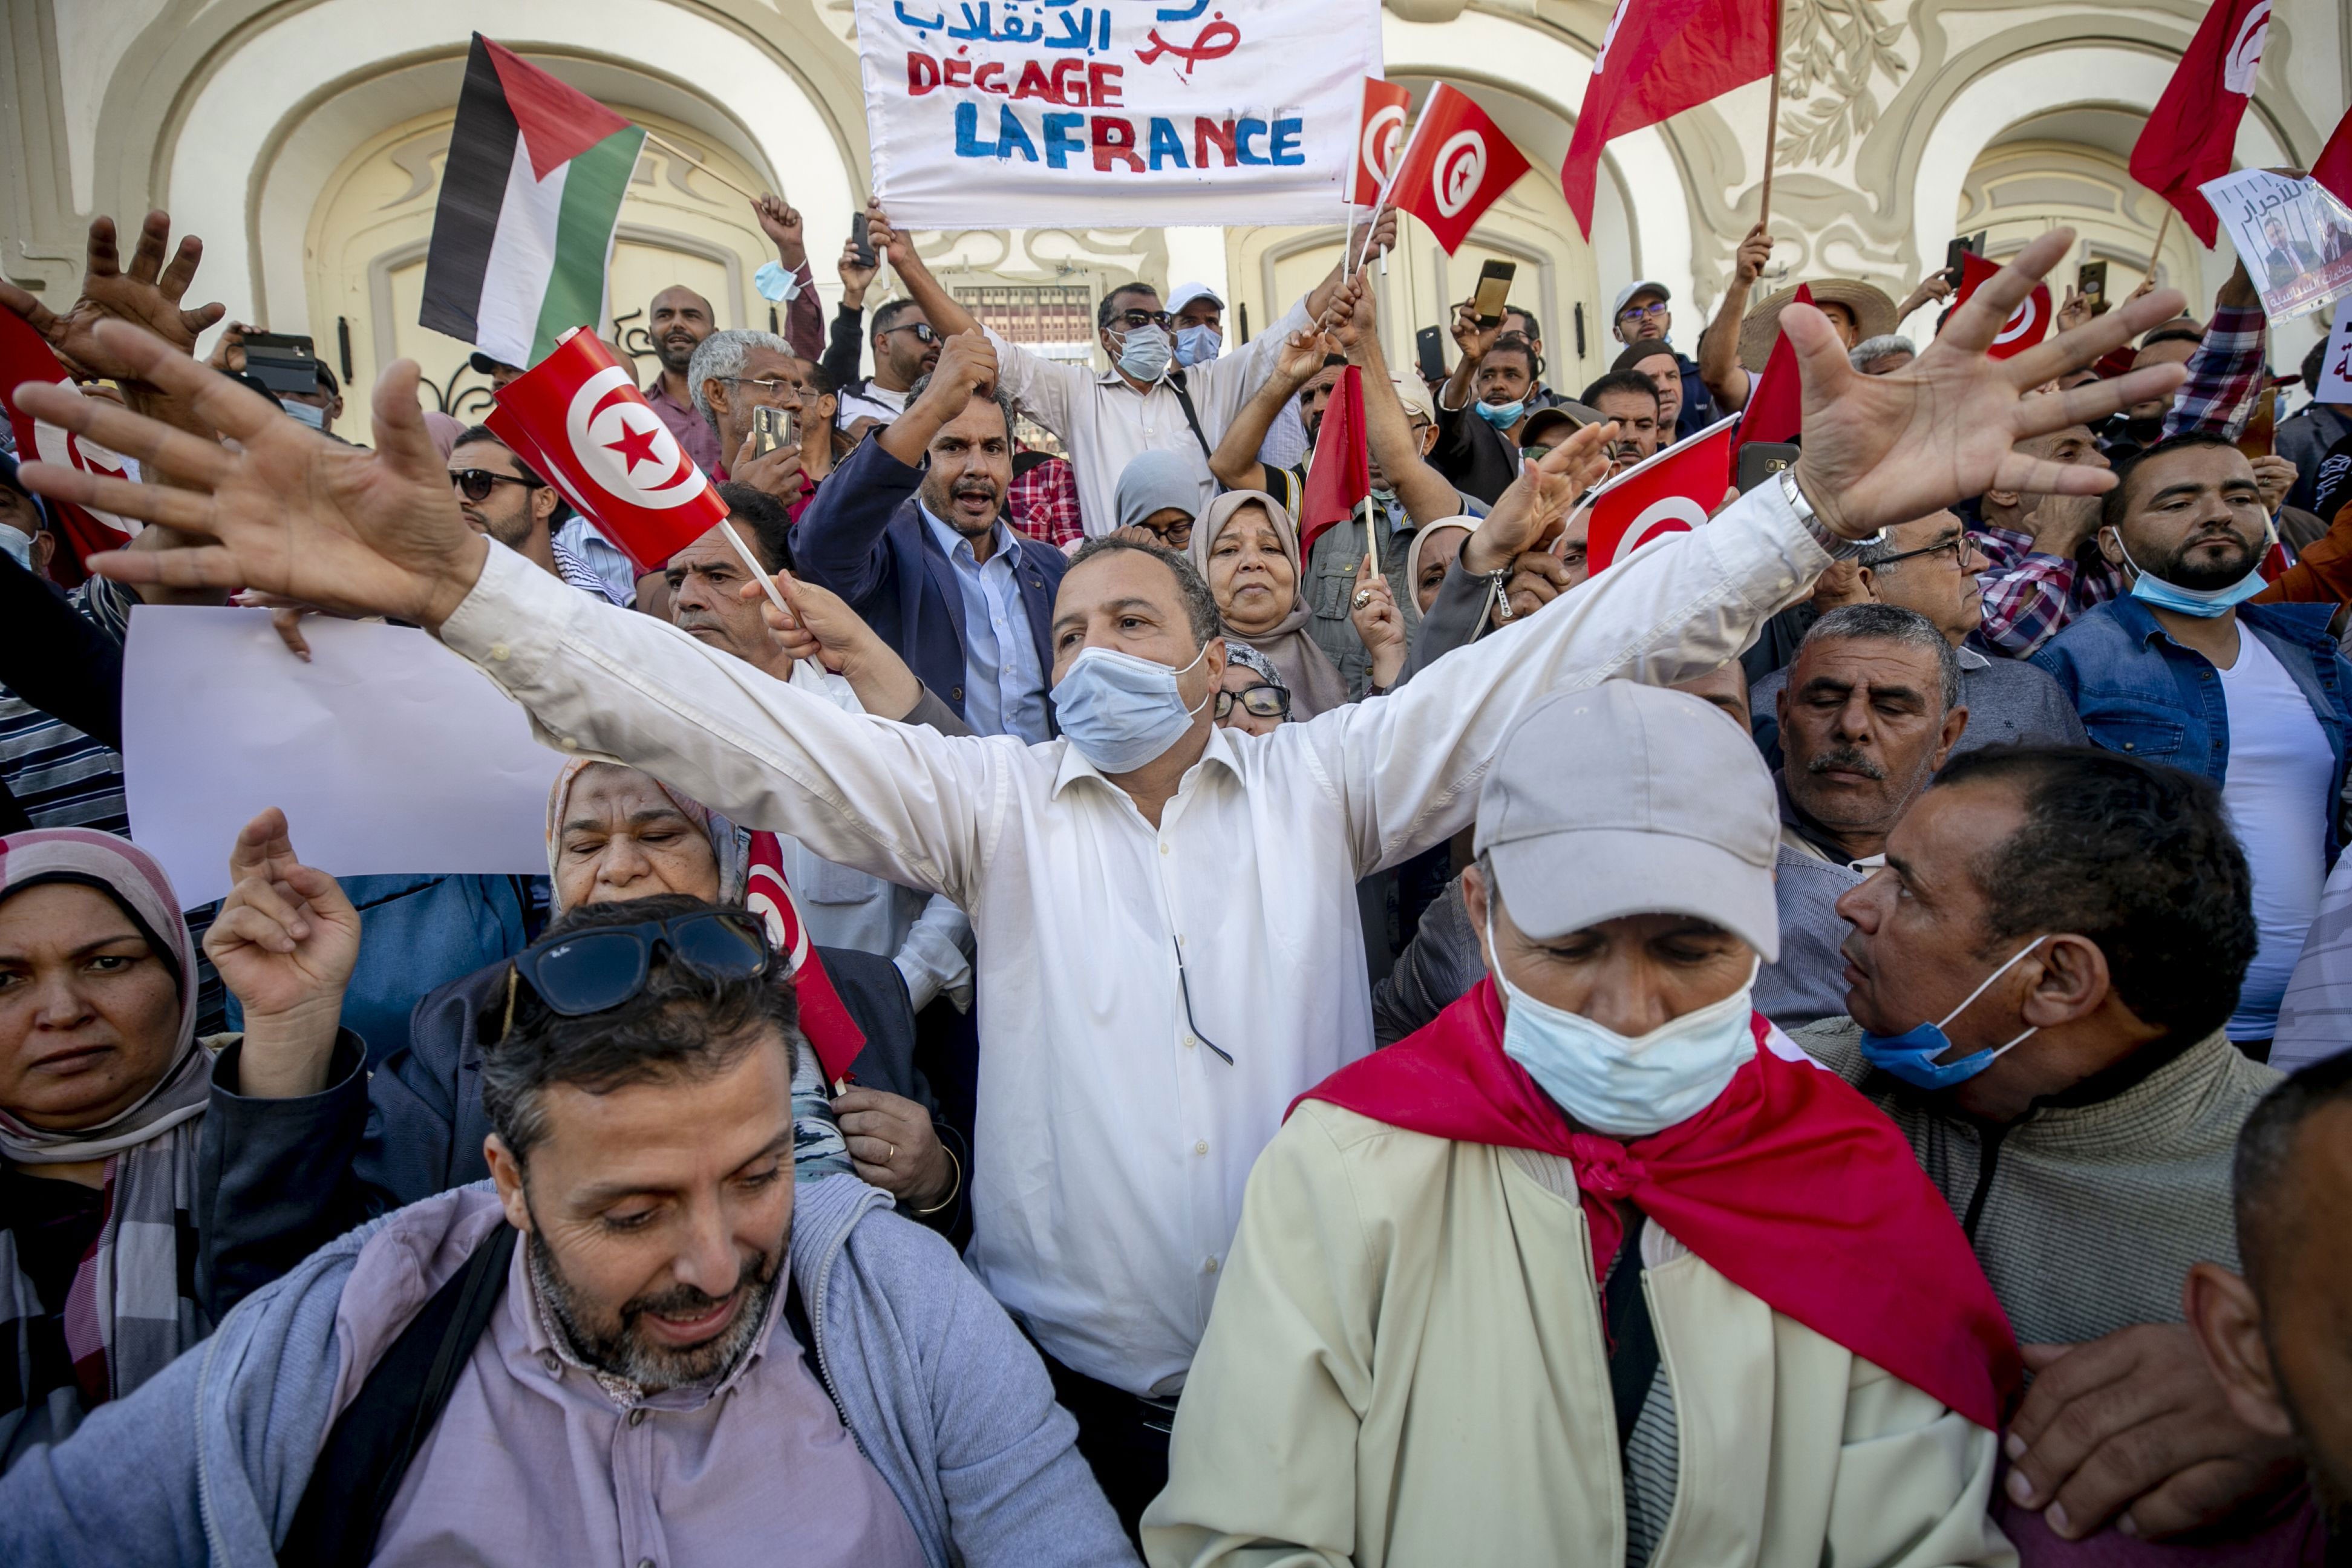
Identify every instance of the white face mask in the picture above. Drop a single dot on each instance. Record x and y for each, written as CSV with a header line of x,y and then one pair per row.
x,y
1121,712
1627,1087
17,544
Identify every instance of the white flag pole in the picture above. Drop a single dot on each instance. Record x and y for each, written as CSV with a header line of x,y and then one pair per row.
x,y
751,564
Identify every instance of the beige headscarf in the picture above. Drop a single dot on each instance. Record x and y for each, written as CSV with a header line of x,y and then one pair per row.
x,y
1314,685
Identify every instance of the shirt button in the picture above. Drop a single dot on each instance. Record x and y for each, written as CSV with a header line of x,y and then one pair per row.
x,y
553,1363
1209,1267
571,743
1201,1147
1190,1042
1163,849
500,650
637,1417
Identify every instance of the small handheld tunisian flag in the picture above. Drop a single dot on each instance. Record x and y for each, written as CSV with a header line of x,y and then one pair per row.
x,y
1457,164
831,1032
2333,167
1658,58
1673,493
1775,402
2027,325
578,418
85,530
2192,131
1380,136
1339,476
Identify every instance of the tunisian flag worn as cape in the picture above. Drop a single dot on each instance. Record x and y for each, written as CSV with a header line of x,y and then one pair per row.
x,y
1790,1185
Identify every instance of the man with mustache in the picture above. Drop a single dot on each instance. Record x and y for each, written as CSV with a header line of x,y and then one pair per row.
x,y
1871,710
911,531
678,321
2169,672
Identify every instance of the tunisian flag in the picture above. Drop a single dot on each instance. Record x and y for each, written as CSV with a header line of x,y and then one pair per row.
x,y
1457,164
2333,167
1673,492
2193,129
84,531
1380,136
1340,476
824,1018
2027,325
1658,58
1775,402
578,420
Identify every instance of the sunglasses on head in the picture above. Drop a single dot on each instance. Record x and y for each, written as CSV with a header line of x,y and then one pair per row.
x,y
593,971
475,484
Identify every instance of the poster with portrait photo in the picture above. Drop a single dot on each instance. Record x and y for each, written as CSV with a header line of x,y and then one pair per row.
x,y
2294,236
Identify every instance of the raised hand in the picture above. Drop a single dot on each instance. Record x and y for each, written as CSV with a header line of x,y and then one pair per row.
x,y
1470,335
856,274
967,368
284,945
1382,237
147,293
1353,317
2074,309
229,351
892,244
822,627
780,222
1754,255
1540,500
286,510
1886,449
2275,476
1303,354
776,472
1379,624
1933,287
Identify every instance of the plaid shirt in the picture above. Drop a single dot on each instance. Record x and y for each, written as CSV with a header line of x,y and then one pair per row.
x,y
2030,596
1045,503
2224,375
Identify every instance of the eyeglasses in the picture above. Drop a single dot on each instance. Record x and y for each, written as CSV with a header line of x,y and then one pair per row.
x,y
1175,535
590,971
772,387
1957,545
1186,986
923,330
1534,454
1131,319
1266,701
1655,311
475,484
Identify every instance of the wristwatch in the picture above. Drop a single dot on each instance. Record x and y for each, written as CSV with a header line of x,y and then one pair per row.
x,y
1839,547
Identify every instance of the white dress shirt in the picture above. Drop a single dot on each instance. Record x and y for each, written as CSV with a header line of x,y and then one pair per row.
x,y
1106,423
1111,1148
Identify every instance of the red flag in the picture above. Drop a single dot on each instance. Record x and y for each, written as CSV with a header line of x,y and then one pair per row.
x,y
1658,58
2333,167
82,531
1673,492
1380,136
2027,325
1456,166
831,1033
578,418
2193,129
1339,476
1775,399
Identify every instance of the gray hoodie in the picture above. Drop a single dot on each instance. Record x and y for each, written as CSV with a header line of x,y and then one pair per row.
x,y
208,1461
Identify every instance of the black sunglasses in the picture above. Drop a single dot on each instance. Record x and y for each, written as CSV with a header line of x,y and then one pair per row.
x,y
590,971
1266,701
475,484
924,331
1132,320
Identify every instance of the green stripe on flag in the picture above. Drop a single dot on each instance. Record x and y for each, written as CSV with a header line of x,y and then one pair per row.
x,y
593,185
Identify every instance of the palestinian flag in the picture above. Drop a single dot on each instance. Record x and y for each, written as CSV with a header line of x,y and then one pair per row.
x,y
530,198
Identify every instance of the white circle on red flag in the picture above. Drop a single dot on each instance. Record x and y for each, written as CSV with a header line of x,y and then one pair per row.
x,y
1383,134
54,444
1668,514
2021,322
1615,16
766,896
2245,56
1459,170
622,447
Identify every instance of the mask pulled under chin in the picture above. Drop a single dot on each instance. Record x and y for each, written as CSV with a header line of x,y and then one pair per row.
x,y
2205,604
1501,416
1628,1087
1121,712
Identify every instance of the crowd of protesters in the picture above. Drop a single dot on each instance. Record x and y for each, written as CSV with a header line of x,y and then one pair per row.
x,y
1823,1041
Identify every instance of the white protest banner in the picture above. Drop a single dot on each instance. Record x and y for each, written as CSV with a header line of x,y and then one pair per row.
x,y
1028,114
388,753
2335,364
2294,236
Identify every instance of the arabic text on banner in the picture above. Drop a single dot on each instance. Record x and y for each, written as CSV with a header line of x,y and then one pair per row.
x,y
1028,114
2294,237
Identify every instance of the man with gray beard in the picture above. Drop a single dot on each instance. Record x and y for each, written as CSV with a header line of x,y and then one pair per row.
x,y
1871,710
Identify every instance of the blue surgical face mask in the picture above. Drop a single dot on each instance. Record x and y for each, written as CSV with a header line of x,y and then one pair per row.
x,y
1626,1088
2205,604
1144,352
315,419
17,544
1501,416
1197,345
1121,712
1911,1054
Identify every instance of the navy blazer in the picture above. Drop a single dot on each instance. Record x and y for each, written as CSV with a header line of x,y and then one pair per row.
x,y
864,537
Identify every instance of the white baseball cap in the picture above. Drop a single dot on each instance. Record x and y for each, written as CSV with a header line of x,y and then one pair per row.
x,y
1641,286
1184,294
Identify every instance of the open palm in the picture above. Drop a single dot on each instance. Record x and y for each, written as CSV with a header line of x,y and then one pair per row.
x,y
146,293
286,510
1886,450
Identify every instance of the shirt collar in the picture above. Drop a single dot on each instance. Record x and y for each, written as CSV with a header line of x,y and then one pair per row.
x,y
1008,543
1220,751
1971,660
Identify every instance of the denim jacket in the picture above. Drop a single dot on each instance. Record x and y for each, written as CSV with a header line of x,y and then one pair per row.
x,y
2140,691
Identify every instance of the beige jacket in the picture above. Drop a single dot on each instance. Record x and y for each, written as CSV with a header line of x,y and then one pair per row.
x,y
1406,1366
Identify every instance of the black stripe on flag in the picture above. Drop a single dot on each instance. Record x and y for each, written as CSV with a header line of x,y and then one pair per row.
x,y
473,190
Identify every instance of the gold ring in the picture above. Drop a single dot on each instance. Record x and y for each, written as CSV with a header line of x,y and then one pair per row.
x,y
892,1155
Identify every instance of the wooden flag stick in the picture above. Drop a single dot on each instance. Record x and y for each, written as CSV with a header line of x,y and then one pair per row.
x,y
683,156
1771,135
2163,232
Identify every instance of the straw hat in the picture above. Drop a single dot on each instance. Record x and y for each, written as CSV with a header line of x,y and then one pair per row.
x,y
1873,314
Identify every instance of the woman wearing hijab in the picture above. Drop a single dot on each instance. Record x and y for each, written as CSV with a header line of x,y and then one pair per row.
x,y
1433,550
1248,550
1157,493
1252,697
109,1176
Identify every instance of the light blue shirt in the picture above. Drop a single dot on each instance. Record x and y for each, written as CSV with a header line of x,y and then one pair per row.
x,y
1003,686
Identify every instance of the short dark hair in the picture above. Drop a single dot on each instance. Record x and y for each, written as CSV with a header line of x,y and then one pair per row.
x,y
1003,404
1200,604
814,381
2173,335
2313,363
886,315
1535,327
685,1024
2114,506
2267,1219
1640,350
333,388
1876,622
1524,351
772,526
2135,856
474,433
1110,305
1632,381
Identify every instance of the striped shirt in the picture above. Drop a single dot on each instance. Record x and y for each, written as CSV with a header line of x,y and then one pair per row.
x,y
61,777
